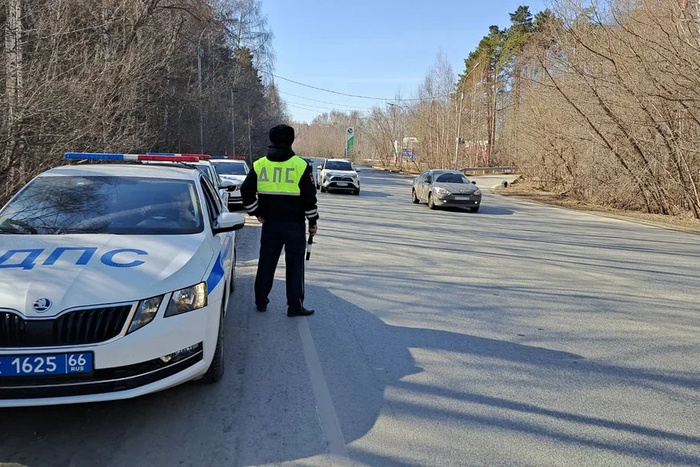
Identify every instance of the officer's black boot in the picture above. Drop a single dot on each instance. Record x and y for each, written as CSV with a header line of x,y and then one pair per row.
x,y
299,312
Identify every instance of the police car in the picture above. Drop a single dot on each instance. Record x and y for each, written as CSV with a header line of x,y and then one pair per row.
x,y
232,170
204,165
114,281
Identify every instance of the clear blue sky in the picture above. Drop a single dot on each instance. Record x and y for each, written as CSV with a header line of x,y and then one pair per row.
x,y
372,47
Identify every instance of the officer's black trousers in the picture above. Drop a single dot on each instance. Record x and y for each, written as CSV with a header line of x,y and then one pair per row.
x,y
291,236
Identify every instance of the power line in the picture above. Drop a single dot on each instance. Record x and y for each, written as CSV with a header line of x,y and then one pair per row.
x,y
304,108
355,95
325,108
323,102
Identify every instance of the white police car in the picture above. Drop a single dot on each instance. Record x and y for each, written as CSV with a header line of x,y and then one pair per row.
x,y
232,170
114,281
209,170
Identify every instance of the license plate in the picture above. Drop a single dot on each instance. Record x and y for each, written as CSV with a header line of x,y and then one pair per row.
x,y
342,184
45,365
462,198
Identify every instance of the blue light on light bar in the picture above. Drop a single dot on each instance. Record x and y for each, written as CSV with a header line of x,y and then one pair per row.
x,y
130,157
95,156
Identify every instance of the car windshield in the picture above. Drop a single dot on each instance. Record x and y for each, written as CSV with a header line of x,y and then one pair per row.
x,y
452,178
338,165
229,168
51,205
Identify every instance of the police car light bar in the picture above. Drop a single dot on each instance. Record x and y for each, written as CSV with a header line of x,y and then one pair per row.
x,y
240,158
128,157
199,156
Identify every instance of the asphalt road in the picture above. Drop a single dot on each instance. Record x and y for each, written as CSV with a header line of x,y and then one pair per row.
x,y
520,335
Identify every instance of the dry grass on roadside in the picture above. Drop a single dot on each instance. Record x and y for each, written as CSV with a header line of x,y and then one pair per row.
x,y
528,190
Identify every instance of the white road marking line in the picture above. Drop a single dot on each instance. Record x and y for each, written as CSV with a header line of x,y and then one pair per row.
x,y
326,411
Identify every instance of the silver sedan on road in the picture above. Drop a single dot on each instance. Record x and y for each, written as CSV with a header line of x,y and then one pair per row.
x,y
446,188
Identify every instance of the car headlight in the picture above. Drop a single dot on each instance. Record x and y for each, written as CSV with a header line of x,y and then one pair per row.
x,y
187,299
145,313
440,191
477,193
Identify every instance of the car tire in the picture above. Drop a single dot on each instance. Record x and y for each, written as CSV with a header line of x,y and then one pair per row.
x,y
476,209
431,203
216,369
414,198
323,190
356,192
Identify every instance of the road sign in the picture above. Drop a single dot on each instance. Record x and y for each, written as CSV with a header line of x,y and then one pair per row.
x,y
349,140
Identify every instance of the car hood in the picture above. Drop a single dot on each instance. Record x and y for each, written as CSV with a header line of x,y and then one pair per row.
x,y
457,188
82,270
233,178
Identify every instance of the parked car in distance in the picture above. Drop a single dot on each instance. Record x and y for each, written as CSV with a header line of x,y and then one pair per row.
x,y
337,174
446,188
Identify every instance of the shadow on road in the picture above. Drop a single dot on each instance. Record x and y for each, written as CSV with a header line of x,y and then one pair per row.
x,y
362,357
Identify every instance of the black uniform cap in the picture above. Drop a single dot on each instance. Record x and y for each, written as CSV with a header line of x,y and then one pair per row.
x,y
282,136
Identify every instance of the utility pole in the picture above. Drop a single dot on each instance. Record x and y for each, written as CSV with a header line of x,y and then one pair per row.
x,y
250,140
200,52
233,124
459,116
459,129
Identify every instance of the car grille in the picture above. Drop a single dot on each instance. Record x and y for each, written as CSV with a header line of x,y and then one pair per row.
x,y
341,179
79,327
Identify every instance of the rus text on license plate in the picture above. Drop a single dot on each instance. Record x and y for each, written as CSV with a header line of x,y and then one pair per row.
x,y
461,198
47,364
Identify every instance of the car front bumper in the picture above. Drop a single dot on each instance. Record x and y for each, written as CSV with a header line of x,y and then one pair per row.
x,y
162,354
341,185
463,201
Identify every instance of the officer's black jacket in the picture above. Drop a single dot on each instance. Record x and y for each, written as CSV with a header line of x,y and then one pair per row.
x,y
281,207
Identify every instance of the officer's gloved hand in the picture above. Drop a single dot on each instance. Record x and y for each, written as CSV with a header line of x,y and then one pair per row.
x,y
313,229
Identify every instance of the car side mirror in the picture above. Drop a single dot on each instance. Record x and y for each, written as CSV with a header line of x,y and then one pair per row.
x,y
473,182
228,222
226,184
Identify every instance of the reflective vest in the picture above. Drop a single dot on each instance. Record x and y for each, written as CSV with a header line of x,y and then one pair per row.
x,y
279,178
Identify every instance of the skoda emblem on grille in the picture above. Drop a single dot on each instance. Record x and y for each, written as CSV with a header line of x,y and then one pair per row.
x,y
42,305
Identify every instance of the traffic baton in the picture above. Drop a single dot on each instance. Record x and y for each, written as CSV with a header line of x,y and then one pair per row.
x,y
309,243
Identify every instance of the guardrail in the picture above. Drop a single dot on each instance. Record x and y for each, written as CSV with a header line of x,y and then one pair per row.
x,y
488,170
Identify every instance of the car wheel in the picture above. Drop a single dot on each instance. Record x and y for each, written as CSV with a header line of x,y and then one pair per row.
x,y
476,209
356,192
216,369
431,203
323,190
414,198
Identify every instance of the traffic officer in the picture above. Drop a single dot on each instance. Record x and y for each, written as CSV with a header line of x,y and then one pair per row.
x,y
280,192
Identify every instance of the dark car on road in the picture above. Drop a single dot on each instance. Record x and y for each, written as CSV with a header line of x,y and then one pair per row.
x,y
446,188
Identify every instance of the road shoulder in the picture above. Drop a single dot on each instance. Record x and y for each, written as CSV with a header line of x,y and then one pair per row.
x,y
518,191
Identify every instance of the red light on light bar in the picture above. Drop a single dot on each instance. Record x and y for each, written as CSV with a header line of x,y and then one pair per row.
x,y
200,156
182,158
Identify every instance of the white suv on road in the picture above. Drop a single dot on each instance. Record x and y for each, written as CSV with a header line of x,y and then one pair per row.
x,y
337,174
